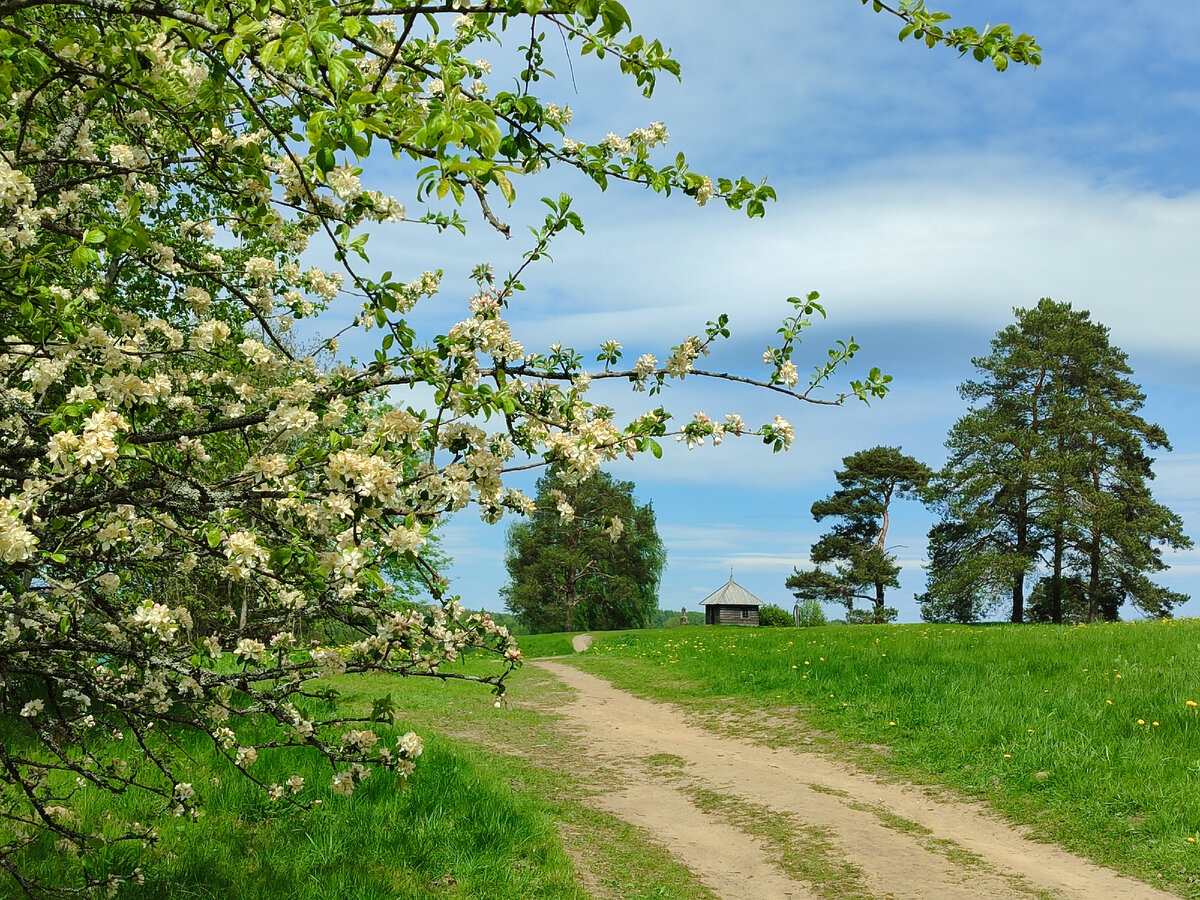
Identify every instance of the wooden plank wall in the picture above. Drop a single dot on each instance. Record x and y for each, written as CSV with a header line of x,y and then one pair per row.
x,y
732,615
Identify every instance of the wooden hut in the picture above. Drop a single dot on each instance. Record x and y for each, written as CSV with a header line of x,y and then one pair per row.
x,y
731,604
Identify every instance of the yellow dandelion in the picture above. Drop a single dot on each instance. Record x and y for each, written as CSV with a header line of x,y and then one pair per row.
x,y
1029,731
1108,702
891,723
1155,724
1008,756
795,667
1141,721
1191,840
1192,704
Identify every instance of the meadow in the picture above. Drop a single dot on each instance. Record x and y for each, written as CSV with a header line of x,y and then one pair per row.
x,y
493,810
1089,735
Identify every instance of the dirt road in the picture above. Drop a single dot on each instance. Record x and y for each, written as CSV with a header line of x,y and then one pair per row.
x,y
757,823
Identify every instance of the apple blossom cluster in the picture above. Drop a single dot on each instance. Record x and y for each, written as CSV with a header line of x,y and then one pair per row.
x,y
206,507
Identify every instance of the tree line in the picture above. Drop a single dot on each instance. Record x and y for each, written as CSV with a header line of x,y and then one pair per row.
x,y
1044,503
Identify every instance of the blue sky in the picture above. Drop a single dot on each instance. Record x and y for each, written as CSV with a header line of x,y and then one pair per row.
x,y
923,195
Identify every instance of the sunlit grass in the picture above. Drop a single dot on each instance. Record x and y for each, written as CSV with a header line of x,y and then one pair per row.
x,y
474,821
454,829
538,645
1090,734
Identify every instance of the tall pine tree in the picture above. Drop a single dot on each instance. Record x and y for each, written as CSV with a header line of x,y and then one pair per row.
x,y
1048,475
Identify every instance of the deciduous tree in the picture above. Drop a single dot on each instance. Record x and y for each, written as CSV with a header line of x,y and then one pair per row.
x,y
164,168
589,558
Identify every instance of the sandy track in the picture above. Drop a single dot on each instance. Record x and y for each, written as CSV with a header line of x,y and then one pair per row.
x,y
879,839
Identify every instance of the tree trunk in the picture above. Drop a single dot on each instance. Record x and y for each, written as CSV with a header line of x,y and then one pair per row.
x,y
1056,604
1094,556
881,540
569,601
1094,578
1018,588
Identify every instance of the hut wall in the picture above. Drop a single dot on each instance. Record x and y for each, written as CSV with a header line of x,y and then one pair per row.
x,y
736,615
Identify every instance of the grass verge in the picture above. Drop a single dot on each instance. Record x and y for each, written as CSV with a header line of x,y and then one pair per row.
x,y
1085,734
492,811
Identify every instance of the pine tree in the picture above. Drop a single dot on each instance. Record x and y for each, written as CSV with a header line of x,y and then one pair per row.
x,y
857,544
1049,473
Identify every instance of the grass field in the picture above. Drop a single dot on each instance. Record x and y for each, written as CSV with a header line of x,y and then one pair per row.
x,y
494,810
1086,734
1090,734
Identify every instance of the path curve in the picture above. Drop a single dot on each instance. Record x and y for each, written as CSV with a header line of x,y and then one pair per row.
x,y
895,840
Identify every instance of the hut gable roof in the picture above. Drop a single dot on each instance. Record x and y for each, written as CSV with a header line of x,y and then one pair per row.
x,y
731,594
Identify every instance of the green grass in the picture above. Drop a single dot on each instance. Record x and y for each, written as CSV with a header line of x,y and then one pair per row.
x,y
1035,720
455,830
495,809
1041,721
529,750
537,645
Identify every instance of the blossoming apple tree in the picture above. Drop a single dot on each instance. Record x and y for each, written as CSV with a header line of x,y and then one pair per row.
x,y
184,495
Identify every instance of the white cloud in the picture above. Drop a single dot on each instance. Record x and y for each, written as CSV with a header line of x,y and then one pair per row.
x,y
949,240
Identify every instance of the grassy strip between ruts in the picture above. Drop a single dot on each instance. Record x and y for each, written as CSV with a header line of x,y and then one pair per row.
x,y
492,813
1089,735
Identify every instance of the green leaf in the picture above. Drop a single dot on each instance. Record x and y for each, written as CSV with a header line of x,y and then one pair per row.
x,y
383,709
119,242
232,50
267,53
83,256
338,73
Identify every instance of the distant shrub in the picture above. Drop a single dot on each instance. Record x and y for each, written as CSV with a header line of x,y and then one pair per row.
x,y
810,614
871,616
773,616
